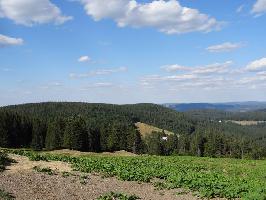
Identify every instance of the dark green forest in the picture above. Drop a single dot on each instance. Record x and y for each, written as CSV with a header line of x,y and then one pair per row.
x,y
107,127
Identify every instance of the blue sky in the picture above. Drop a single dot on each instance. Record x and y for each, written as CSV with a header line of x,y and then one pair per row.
x,y
130,51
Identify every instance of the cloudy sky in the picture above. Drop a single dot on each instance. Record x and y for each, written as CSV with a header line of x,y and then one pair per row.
x,y
130,51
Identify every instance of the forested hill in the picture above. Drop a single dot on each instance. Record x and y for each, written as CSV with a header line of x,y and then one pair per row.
x,y
151,114
107,127
230,107
203,115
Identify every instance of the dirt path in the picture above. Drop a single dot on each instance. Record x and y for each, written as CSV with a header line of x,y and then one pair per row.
x,y
26,184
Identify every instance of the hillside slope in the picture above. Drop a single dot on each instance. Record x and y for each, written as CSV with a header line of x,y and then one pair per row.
x,y
151,114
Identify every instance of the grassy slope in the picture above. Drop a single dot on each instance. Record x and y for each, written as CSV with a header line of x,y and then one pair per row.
x,y
229,178
146,129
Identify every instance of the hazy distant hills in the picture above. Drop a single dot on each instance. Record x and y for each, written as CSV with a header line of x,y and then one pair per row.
x,y
231,106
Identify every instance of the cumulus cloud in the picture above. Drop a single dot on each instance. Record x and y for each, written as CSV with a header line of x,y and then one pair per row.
x,y
97,72
10,41
30,12
166,16
84,59
224,47
259,7
257,65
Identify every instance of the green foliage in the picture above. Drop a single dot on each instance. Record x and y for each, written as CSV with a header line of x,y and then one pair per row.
x,y
117,196
75,136
154,143
38,135
66,174
211,177
54,136
46,170
4,160
83,179
5,195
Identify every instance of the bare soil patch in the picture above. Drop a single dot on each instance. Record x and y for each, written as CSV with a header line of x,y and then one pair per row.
x,y
23,164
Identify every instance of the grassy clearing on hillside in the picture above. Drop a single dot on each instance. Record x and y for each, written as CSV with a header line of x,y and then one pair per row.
x,y
229,178
68,152
146,129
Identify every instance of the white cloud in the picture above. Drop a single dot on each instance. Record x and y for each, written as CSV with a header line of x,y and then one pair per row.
x,y
166,16
30,12
98,72
240,8
51,85
259,7
263,73
10,41
257,65
217,76
225,47
175,67
213,68
208,69
84,59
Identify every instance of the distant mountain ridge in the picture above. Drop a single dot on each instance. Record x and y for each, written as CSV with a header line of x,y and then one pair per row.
x,y
230,106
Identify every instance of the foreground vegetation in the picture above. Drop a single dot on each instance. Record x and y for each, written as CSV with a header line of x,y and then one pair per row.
x,y
5,195
3,160
210,177
117,196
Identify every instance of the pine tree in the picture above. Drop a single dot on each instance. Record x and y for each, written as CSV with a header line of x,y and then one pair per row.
x,y
75,136
38,135
54,134
138,144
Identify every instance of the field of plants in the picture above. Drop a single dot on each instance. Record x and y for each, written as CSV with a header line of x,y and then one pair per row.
x,y
208,177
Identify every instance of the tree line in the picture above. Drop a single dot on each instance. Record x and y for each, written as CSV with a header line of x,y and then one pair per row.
x,y
106,127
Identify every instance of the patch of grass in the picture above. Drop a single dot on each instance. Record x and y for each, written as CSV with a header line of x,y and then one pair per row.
x,y
83,179
159,185
46,170
182,192
5,195
4,161
66,174
117,196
